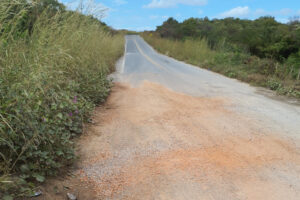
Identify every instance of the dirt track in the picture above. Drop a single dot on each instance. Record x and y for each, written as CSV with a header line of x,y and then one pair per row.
x,y
152,142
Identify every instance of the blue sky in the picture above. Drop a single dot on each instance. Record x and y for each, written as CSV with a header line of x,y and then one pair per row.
x,y
147,14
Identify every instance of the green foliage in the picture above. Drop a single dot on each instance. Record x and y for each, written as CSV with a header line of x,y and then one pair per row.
x,y
294,63
273,84
264,37
170,28
53,71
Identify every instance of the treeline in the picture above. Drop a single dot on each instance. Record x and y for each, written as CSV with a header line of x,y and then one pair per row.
x,y
53,72
263,37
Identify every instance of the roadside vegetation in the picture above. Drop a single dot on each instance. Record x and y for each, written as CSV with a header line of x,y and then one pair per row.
x,y
262,52
53,72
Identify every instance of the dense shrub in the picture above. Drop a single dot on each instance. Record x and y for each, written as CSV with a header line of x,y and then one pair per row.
x,y
51,78
263,37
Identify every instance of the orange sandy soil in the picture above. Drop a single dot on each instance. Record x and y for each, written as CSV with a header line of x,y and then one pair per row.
x,y
153,143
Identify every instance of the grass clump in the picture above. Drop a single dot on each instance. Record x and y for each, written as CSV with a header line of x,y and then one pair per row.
x,y
53,71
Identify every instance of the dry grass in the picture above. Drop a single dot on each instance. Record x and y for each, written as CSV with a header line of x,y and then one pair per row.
x,y
196,52
50,81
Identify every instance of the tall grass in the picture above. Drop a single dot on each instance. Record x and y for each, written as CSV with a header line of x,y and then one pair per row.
x,y
196,52
233,62
50,80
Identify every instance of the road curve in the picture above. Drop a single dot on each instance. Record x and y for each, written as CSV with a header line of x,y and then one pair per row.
x,y
170,130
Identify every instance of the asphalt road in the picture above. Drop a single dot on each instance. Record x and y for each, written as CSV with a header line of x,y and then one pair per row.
x,y
142,63
170,130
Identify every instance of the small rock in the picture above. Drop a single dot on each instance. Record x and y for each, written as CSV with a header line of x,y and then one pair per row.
x,y
66,187
37,193
71,196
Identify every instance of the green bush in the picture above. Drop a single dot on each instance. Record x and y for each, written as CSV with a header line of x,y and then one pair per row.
x,y
294,62
50,81
274,84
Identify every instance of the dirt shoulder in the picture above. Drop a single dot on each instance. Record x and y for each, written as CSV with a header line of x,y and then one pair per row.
x,y
152,143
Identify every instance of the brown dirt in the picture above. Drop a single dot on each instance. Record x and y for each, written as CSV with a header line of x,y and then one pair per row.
x,y
153,143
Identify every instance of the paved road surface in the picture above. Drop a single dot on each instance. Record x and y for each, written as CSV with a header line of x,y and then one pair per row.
x,y
173,131
143,63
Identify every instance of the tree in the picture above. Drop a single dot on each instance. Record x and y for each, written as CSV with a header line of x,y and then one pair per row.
x,y
170,28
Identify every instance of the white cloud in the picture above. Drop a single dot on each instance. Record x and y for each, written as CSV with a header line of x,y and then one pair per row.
x,y
173,3
280,15
120,2
200,12
154,17
282,12
236,12
165,17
